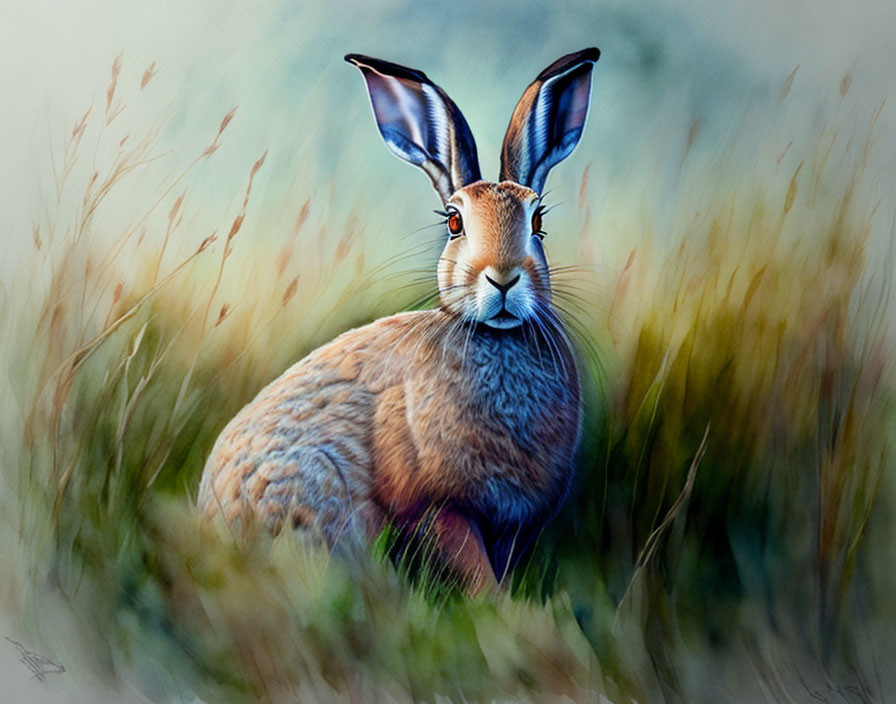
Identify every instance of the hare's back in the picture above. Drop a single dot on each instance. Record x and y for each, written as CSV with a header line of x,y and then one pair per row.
x,y
299,454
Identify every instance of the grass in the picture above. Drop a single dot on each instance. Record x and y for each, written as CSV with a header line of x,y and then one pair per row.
x,y
728,539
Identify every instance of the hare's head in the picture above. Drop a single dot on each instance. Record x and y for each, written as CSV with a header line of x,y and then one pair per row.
x,y
493,269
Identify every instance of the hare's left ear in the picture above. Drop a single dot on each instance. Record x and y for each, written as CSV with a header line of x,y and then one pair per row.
x,y
420,123
548,120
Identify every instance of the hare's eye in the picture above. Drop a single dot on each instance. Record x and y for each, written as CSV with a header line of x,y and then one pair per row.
x,y
536,223
455,223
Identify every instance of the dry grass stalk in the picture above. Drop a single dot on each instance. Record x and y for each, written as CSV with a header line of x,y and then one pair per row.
x,y
148,75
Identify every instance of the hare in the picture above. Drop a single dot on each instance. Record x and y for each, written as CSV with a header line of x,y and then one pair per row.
x,y
459,423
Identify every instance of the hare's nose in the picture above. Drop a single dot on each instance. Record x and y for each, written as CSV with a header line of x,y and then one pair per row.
x,y
505,287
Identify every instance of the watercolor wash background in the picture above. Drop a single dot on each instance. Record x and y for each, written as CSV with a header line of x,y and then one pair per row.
x,y
688,102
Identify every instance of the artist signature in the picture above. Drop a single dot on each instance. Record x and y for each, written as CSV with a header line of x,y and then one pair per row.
x,y
39,665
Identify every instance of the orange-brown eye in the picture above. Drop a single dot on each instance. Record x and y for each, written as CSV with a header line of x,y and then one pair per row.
x,y
455,224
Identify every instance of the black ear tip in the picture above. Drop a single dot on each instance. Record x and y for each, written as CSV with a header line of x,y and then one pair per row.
x,y
581,61
386,68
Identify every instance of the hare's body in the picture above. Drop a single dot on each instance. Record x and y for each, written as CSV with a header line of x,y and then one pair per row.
x,y
457,426
395,417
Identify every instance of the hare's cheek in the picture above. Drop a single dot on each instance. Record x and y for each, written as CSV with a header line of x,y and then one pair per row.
x,y
536,252
537,271
445,272
447,264
453,275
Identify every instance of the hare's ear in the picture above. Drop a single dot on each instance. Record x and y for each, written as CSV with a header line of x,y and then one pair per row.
x,y
548,120
420,123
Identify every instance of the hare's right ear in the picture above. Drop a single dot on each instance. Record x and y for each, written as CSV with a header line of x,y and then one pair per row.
x,y
420,123
548,120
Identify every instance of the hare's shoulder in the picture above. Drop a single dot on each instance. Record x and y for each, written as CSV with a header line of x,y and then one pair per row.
x,y
373,355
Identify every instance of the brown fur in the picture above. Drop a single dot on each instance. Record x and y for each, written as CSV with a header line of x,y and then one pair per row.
x,y
392,403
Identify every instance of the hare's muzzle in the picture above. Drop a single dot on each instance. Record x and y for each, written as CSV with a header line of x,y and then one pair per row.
x,y
504,299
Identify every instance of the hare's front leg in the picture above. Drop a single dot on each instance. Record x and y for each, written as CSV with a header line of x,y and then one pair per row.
x,y
444,541
459,545
433,536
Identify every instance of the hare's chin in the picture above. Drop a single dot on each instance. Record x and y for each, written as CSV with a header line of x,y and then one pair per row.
x,y
503,321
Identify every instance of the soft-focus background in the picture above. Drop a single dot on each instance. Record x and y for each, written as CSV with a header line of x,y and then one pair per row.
x,y
724,241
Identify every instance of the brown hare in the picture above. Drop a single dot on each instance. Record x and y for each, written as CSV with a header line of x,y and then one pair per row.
x,y
460,423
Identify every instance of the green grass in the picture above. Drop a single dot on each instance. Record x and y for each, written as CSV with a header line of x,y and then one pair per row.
x,y
728,539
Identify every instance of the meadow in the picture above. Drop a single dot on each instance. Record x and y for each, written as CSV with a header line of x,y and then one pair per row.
x,y
728,539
